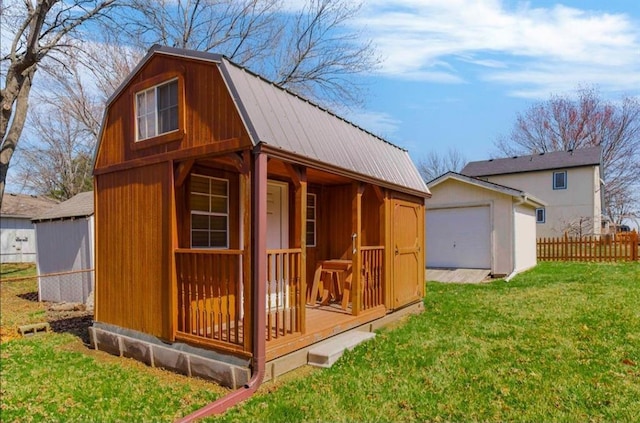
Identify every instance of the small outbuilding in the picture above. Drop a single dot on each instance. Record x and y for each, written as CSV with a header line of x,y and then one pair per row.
x,y
17,234
475,224
65,238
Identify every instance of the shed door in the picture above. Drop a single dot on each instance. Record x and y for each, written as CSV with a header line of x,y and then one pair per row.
x,y
408,272
459,237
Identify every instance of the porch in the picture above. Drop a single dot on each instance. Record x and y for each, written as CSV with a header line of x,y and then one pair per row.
x,y
214,312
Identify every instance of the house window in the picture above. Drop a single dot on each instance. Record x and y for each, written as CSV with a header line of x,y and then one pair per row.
x,y
560,180
209,212
157,110
311,220
540,216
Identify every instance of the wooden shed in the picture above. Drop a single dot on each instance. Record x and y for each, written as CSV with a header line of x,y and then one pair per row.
x,y
211,181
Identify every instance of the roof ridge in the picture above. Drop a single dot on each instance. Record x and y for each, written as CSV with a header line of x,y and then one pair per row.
x,y
310,102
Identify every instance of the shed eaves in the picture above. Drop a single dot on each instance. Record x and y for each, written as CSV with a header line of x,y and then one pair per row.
x,y
80,205
542,161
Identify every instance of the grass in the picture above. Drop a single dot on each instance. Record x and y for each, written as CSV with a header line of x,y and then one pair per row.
x,y
558,343
18,299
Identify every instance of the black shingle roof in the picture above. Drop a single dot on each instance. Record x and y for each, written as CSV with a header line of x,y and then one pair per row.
x,y
543,161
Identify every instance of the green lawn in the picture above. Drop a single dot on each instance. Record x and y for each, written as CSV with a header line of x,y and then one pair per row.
x,y
559,343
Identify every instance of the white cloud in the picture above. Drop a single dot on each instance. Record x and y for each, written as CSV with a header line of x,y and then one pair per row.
x,y
541,48
378,123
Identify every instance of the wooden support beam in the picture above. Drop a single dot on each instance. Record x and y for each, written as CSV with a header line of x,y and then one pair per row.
x,y
378,192
295,173
357,189
183,170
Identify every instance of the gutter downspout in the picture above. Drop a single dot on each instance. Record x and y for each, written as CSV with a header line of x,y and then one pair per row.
x,y
514,272
259,193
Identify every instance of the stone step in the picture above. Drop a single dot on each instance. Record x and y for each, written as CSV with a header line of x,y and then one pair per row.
x,y
328,352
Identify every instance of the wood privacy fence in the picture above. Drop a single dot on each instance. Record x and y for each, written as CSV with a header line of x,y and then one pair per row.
x,y
589,248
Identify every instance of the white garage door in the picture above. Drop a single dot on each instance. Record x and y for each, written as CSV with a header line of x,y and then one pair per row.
x,y
459,237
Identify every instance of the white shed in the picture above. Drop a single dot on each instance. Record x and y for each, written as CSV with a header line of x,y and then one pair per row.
x,y
65,246
17,233
475,224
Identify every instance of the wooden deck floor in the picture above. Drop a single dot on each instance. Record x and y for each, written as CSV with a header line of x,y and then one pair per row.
x,y
322,322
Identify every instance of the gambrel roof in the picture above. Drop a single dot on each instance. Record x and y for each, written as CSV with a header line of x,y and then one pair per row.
x,y
284,121
542,161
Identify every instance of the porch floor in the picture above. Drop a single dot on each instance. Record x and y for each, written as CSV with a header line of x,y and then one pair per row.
x,y
322,322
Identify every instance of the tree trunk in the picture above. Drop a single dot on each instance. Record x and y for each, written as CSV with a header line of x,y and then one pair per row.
x,y
10,138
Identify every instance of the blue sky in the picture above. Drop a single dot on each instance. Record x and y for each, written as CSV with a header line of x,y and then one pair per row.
x,y
455,73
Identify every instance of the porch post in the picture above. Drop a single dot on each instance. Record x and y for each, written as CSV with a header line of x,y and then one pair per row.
x,y
245,209
259,230
300,240
356,227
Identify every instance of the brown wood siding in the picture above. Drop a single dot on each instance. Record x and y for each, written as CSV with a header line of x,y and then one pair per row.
x,y
208,111
133,270
335,230
370,218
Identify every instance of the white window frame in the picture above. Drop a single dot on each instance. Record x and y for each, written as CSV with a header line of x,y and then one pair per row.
x,y
210,213
544,215
314,220
155,111
555,186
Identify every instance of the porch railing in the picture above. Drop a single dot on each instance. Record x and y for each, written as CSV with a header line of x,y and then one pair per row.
x,y
210,296
372,276
284,295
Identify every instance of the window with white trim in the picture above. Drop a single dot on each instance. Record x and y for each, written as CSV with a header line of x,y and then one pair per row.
x,y
560,180
311,220
209,199
157,110
540,215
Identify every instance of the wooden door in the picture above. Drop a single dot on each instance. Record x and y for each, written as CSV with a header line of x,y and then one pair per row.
x,y
407,242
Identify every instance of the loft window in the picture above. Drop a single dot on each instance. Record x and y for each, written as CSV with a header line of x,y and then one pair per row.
x,y
157,110
209,212
560,180
540,216
311,220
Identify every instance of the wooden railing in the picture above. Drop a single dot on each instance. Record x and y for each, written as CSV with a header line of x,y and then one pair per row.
x,y
589,248
210,297
372,276
285,299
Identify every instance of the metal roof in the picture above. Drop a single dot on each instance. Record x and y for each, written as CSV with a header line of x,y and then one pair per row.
x,y
542,161
281,119
25,205
284,120
80,205
536,202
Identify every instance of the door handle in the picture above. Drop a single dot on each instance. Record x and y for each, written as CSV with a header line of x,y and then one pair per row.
x,y
353,242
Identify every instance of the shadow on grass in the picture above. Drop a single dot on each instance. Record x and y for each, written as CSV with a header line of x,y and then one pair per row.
x,y
29,296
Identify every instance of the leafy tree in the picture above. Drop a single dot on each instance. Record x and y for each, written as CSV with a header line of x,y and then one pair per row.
x,y
588,120
434,164
40,30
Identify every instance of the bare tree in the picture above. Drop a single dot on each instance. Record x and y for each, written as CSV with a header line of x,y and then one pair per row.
x,y
40,30
564,123
311,51
434,164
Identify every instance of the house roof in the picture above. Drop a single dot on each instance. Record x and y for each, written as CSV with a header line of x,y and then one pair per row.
x,y
503,189
285,121
543,161
80,205
25,205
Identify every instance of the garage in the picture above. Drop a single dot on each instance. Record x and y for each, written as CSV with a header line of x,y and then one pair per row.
x,y
476,224
459,237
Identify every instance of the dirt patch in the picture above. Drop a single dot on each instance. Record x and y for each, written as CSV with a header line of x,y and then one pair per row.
x,y
76,322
